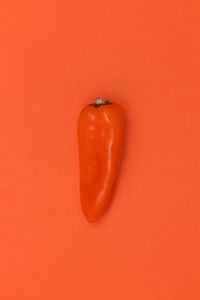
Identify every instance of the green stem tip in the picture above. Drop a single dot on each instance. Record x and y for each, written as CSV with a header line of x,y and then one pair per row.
x,y
100,102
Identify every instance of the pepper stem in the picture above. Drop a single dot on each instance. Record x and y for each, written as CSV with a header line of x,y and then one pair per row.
x,y
99,101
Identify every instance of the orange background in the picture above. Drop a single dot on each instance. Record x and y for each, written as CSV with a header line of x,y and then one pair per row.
x,y
56,56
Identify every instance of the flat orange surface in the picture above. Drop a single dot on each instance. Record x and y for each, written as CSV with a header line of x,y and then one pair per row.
x,y
55,57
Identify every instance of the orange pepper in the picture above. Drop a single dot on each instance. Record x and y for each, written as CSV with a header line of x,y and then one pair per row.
x,y
100,139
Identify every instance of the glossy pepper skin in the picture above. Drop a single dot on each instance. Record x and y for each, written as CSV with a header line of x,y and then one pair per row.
x,y
100,139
